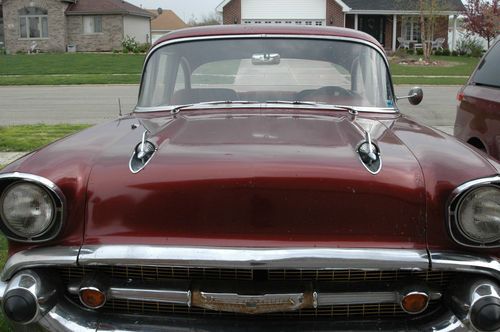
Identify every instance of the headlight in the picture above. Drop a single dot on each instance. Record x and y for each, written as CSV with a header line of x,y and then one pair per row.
x,y
32,208
27,209
478,215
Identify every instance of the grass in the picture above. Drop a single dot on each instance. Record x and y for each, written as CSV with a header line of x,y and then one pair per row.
x,y
31,137
67,63
429,80
458,66
90,68
70,79
65,68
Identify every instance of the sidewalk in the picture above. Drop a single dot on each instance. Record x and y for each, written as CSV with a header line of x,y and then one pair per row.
x,y
8,157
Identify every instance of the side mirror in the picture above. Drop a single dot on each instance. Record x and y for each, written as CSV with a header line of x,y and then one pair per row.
x,y
415,96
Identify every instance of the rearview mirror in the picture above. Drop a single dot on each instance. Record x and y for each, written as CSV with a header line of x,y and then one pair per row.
x,y
266,59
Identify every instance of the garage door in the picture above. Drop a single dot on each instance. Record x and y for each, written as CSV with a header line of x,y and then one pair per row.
x,y
287,22
283,10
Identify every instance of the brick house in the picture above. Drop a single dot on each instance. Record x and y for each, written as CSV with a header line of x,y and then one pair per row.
x,y
52,25
386,20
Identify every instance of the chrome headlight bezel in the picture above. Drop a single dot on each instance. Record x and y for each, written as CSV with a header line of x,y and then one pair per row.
x,y
457,198
56,195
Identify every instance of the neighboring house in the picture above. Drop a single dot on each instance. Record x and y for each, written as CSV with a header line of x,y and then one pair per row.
x,y
386,20
163,22
90,25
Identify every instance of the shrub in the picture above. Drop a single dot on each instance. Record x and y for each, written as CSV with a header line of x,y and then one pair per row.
x,y
438,52
420,51
410,52
130,45
454,53
446,52
469,46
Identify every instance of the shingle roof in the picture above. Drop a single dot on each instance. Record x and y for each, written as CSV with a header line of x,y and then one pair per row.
x,y
166,21
402,5
90,7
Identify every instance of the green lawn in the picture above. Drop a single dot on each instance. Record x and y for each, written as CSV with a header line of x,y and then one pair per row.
x,y
65,68
458,66
31,137
90,68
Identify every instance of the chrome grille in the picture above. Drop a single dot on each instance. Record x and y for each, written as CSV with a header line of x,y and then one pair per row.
x,y
355,311
437,279
148,273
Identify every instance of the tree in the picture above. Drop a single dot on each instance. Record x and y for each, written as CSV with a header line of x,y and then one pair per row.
x,y
428,10
483,18
211,19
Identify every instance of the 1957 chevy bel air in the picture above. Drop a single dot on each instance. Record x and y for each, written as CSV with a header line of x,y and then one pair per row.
x,y
266,180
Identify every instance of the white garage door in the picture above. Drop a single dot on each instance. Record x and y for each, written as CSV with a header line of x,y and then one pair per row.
x,y
283,9
287,22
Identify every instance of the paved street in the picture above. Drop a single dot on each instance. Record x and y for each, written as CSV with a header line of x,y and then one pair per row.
x,y
94,104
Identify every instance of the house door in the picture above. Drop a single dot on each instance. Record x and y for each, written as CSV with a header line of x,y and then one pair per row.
x,y
373,25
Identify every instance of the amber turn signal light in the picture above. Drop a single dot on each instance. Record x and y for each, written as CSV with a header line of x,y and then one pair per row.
x,y
92,298
415,302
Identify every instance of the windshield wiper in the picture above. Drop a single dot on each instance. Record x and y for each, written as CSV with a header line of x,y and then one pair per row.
x,y
179,108
317,104
294,102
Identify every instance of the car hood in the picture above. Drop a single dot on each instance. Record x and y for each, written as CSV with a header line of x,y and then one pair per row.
x,y
255,179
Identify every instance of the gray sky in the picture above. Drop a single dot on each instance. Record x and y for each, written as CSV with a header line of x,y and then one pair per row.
x,y
183,8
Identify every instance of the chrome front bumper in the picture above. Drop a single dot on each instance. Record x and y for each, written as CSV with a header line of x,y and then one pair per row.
x,y
66,316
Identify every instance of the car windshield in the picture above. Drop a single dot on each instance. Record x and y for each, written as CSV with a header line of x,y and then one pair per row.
x,y
266,70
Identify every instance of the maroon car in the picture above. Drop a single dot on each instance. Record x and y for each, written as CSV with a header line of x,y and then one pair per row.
x,y
265,181
478,111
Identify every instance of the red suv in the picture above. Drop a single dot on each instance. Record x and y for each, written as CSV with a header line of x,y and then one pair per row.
x,y
478,112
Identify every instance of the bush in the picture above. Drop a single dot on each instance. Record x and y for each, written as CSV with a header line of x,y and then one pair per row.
x,y
130,45
410,52
438,52
446,52
469,46
420,51
454,53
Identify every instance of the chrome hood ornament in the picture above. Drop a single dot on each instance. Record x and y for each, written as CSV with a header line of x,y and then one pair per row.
x,y
368,151
142,154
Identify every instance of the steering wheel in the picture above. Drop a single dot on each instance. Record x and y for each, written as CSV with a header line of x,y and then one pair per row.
x,y
325,92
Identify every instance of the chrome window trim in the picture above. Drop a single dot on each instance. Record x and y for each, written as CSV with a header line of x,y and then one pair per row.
x,y
454,202
255,36
52,188
325,107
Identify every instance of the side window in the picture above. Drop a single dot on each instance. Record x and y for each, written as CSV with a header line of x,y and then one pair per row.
x,y
488,72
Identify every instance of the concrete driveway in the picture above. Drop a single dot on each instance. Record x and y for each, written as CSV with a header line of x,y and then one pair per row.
x,y
95,104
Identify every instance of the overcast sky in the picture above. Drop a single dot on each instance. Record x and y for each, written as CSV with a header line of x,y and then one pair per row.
x,y
185,9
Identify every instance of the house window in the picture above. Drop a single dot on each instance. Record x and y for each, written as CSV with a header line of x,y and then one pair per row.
x,y
33,23
92,24
411,28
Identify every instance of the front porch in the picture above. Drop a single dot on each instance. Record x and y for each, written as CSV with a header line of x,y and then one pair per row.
x,y
395,31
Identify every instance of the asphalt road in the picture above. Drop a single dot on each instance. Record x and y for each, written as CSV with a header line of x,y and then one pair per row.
x,y
95,104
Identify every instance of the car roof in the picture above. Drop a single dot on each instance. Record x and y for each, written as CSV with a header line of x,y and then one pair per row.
x,y
239,29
